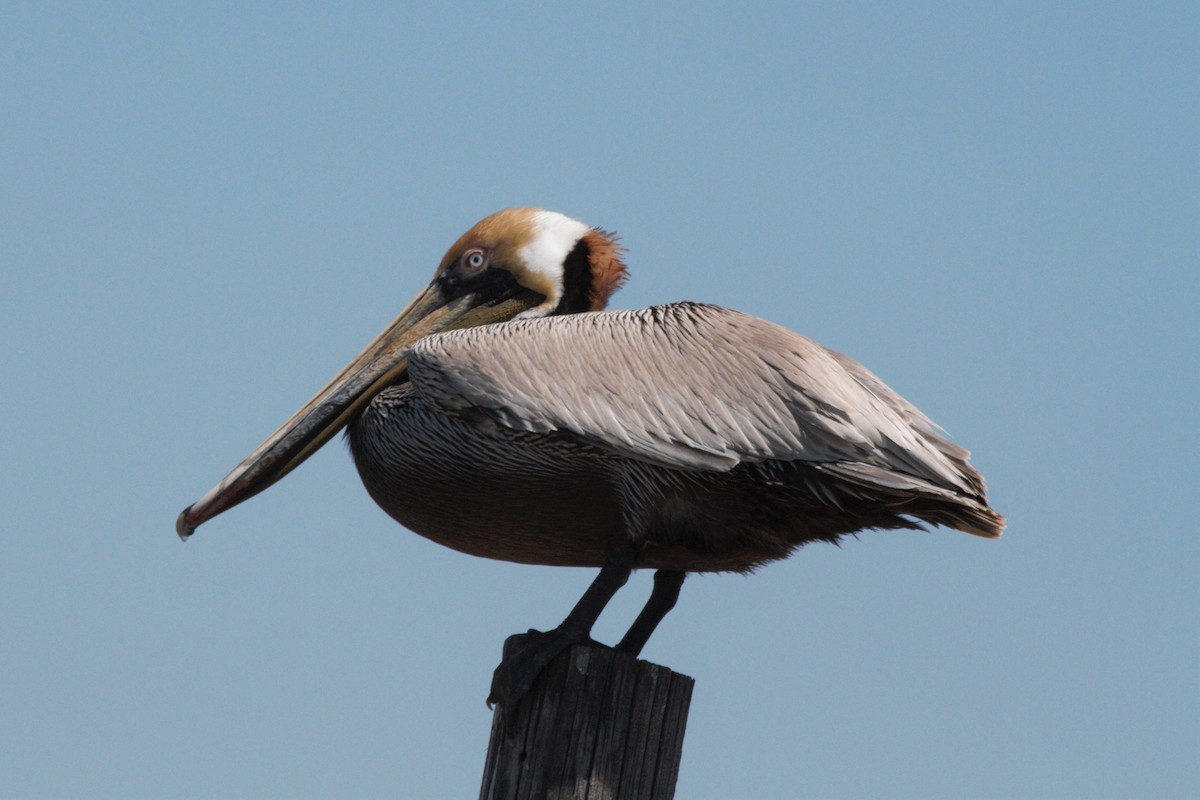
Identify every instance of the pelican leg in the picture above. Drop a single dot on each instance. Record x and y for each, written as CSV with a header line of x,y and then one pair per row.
x,y
527,654
662,599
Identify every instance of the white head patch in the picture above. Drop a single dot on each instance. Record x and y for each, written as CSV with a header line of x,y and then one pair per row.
x,y
555,236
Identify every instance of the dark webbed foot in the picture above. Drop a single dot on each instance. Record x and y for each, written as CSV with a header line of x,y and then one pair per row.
x,y
525,656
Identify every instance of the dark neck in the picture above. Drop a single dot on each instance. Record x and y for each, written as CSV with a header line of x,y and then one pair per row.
x,y
577,281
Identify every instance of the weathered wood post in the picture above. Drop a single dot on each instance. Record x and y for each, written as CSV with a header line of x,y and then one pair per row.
x,y
596,724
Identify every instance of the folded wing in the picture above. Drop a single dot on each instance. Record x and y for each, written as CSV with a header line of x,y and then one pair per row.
x,y
691,386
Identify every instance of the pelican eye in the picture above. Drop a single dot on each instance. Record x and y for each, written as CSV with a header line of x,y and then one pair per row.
x,y
474,260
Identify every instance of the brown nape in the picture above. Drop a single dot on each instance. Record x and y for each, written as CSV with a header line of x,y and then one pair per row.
x,y
607,267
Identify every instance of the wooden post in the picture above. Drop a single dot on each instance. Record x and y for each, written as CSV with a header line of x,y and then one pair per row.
x,y
596,724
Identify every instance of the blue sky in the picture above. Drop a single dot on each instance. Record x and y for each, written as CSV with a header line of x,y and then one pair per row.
x,y
207,211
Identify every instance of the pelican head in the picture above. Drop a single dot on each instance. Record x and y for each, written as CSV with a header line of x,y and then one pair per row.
x,y
519,262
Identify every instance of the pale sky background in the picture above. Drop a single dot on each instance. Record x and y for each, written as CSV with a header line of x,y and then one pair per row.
x,y
206,209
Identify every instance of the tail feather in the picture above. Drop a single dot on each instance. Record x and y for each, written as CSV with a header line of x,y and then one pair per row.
x,y
922,499
968,516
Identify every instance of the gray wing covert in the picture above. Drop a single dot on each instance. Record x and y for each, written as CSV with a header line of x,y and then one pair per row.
x,y
685,385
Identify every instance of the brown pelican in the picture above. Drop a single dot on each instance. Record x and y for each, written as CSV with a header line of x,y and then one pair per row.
x,y
505,415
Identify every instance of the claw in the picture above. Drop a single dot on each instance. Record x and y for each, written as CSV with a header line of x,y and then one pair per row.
x,y
525,656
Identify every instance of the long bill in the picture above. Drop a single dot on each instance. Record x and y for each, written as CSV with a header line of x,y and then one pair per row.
x,y
382,363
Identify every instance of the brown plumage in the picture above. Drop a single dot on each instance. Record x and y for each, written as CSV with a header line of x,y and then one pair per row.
x,y
504,415
715,440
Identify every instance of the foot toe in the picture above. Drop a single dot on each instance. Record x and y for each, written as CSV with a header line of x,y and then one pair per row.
x,y
525,656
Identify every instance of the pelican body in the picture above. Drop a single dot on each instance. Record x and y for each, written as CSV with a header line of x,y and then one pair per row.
x,y
505,414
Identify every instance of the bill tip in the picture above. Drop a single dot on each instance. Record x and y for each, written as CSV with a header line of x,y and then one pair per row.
x,y
184,528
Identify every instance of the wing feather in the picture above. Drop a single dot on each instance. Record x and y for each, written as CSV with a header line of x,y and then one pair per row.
x,y
689,386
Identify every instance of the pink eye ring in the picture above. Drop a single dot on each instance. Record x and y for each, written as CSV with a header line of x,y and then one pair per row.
x,y
474,260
